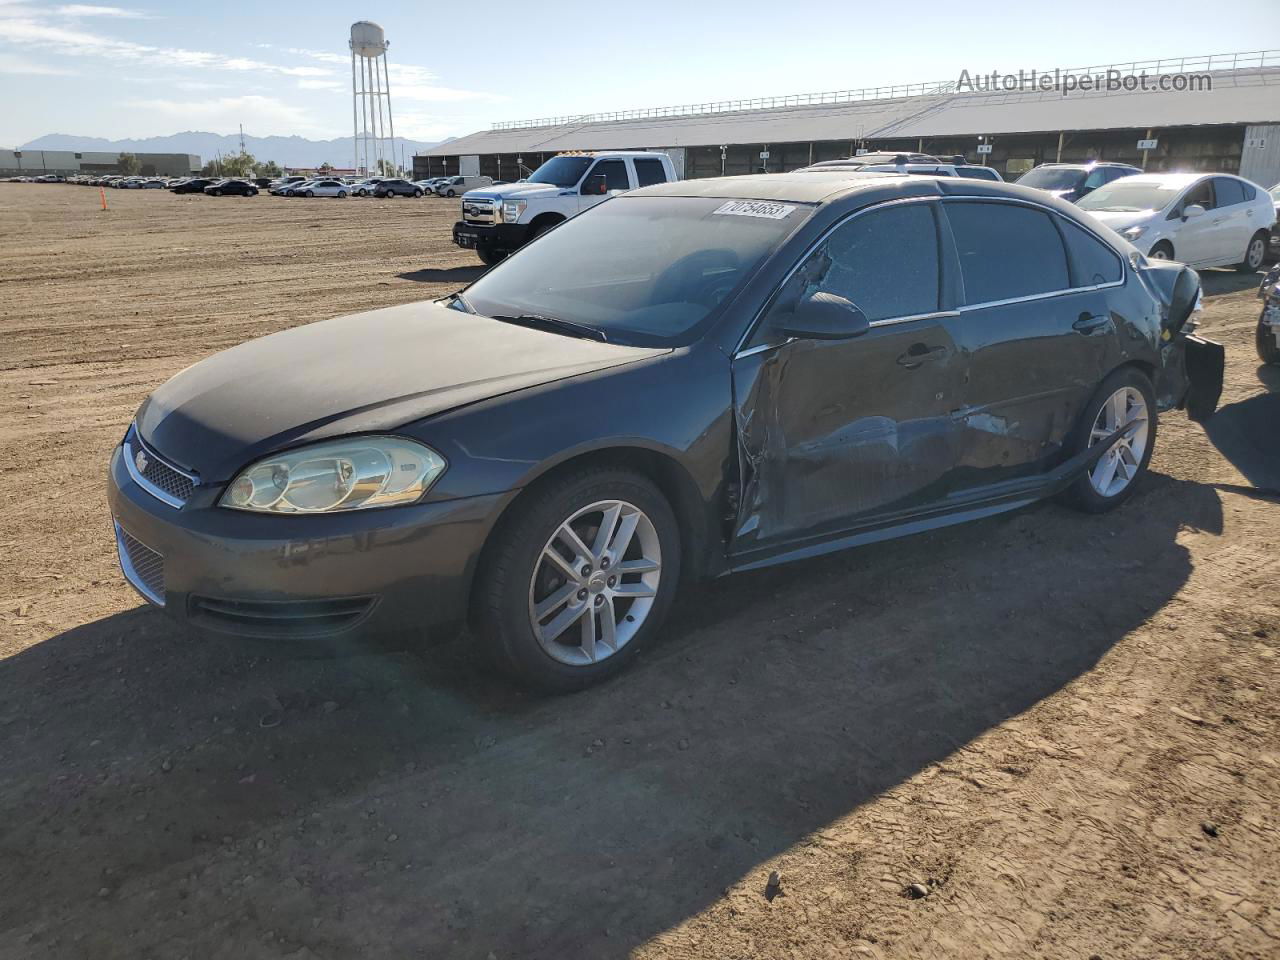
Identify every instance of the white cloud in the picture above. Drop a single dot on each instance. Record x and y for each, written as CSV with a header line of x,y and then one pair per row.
x,y
12,63
89,10
410,82
306,83
321,55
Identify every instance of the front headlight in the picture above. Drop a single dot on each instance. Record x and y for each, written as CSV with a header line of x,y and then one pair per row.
x,y
349,474
512,209
1133,233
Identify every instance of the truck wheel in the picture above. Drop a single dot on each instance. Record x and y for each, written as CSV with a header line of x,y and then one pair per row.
x,y
490,255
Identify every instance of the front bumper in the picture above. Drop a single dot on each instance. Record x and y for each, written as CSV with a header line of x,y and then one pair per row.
x,y
497,236
398,569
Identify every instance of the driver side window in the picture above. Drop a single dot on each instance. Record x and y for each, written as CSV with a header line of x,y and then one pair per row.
x,y
614,173
1201,193
885,262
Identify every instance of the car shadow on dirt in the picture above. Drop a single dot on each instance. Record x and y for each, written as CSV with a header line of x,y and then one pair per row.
x,y
1245,433
157,788
445,275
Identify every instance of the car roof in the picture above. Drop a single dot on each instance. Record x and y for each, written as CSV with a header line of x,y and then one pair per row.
x,y
1168,179
824,186
1087,166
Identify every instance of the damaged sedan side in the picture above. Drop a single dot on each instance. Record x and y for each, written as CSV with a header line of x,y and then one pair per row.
x,y
693,378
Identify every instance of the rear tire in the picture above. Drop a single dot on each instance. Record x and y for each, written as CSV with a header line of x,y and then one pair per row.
x,y
1265,338
1255,253
566,644
1099,489
342,194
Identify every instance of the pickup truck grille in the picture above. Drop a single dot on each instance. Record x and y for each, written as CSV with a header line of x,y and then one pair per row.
x,y
480,211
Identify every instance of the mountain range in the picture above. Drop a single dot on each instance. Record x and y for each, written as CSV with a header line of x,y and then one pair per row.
x,y
286,151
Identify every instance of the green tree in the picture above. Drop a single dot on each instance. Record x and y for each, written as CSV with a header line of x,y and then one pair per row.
x,y
238,165
324,167
210,169
268,169
128,164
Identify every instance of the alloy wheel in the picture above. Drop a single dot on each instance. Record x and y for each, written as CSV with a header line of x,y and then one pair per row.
x,y
1256,251
1118,467
1159,253
594,582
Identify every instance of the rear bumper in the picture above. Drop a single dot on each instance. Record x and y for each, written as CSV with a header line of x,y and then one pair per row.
x,y
397,570
498,236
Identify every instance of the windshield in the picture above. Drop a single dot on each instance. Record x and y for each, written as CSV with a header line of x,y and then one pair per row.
x,y
561,171
645,271
1125,196
1052,178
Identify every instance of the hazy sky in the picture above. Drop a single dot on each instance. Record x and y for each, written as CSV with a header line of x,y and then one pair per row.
x,y
154,67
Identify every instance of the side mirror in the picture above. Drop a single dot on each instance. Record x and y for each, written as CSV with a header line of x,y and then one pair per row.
x,y
1184,299
825,316
595,186
1194,210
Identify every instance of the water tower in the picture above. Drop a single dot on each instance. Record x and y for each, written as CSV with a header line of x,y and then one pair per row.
x,y
374,130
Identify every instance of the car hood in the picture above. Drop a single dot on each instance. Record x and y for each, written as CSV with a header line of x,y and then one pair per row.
x,y
1119,220
514,191
364,373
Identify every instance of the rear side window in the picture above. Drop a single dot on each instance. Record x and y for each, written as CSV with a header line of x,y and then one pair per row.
x,y
649,172
1006,251
885,261
1228,191
614,173
1250,192
1094,262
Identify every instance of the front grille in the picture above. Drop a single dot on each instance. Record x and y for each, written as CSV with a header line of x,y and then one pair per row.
x,y
159,478
142,566
479,211
282,619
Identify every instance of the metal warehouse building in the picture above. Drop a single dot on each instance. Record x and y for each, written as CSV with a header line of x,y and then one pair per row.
x,y
1219,112
35,163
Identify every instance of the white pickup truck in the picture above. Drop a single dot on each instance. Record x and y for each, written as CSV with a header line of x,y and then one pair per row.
x,y
497,220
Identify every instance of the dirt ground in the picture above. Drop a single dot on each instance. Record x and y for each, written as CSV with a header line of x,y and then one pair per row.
x,y
1064,728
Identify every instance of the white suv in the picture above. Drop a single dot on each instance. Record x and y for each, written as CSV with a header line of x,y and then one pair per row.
x,y
498,220
1201,219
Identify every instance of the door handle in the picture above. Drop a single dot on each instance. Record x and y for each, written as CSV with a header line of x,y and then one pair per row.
x,y
1089,322
920,353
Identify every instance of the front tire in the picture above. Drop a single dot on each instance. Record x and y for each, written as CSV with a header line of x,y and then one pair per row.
x,y
490,255
1124,399
417,193
311,193
217,193
578,578
449,193
1255,253
1161,251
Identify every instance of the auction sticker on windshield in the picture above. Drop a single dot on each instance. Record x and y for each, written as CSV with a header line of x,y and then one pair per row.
x,y
754,208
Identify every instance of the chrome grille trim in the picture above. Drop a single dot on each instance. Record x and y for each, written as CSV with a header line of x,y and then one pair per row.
x,y
485,211
141,566
161,479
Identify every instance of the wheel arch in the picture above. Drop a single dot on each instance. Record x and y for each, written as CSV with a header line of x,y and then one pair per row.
x,y
663,468
546,220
